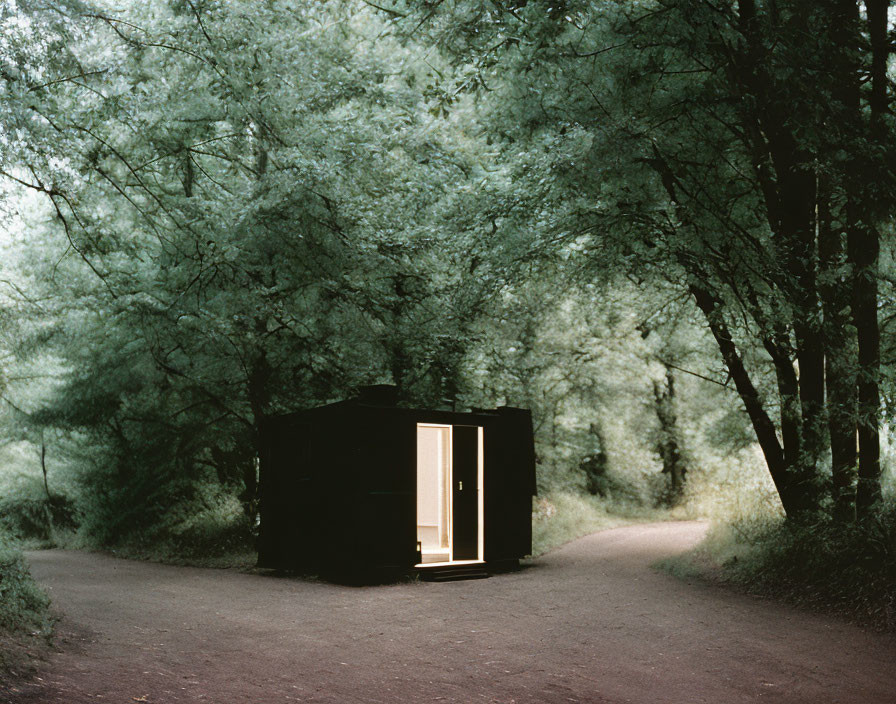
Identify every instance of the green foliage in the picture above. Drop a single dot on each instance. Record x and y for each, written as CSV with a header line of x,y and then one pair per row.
x,y
234,233
151,514
32,518
233,257
238,209
203,524
660,139
731,487
27,514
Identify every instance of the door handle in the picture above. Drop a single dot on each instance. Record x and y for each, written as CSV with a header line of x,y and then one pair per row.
x,y
460,486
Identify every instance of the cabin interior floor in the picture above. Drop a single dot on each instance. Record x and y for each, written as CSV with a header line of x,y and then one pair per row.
x,y
435,557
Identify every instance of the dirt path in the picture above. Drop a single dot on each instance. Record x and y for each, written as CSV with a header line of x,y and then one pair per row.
x,y
590,622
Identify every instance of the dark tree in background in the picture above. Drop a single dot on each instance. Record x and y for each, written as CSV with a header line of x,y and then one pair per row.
x,y
668,438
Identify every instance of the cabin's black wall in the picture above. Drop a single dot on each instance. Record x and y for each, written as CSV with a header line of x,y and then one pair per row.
x,y
287,491
369,489
388,506
333,499
509,485
520,478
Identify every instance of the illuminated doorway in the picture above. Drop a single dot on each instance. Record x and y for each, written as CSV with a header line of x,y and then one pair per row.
x,y
449,493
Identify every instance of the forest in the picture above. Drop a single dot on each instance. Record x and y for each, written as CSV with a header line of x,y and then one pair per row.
x,y
664,226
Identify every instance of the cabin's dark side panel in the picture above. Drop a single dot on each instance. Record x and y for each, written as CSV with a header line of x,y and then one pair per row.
x,y
382,492
509,485
334,492
286,496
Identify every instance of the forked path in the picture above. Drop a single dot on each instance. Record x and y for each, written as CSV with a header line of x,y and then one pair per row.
x,y
590,622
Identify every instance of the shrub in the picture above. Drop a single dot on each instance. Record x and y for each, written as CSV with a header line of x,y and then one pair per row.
x,y
23,605
23,608
182,521
37,520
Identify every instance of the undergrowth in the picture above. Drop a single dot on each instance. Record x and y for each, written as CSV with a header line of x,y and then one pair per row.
x,y
25,624
204,525
199,523
218,544
849,569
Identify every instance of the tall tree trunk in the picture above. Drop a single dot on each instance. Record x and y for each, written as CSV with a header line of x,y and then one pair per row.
x,y
43,469
863,249
795,238
594,464
840,377
788,392
807,313
790,193
399,359
795,500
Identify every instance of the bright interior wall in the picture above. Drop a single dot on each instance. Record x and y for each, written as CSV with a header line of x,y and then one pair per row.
x,y
433,483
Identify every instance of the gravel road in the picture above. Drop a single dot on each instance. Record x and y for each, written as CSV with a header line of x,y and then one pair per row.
x,y
590,622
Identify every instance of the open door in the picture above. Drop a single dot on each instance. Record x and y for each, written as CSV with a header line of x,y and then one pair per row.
x,y
449,493
465,493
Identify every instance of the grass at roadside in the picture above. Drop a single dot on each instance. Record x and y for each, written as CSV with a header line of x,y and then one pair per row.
x,y
560,517
826,566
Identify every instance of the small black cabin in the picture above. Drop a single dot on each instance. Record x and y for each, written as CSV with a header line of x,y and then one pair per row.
x,y
362,486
